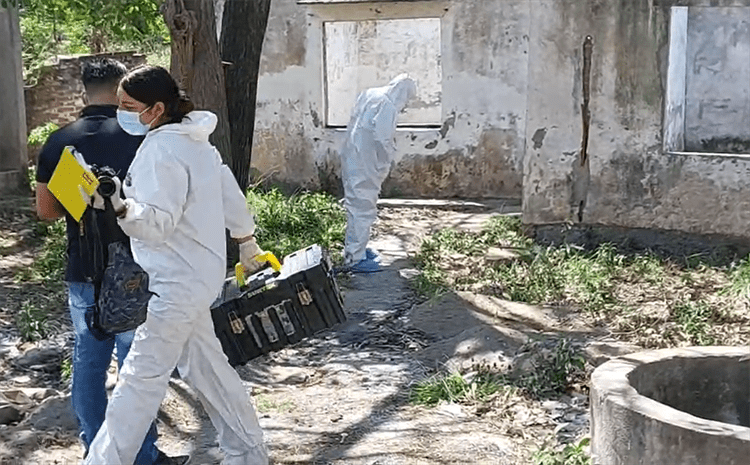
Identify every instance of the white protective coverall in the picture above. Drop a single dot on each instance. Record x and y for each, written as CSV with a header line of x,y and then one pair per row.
x,y
366,158
180,198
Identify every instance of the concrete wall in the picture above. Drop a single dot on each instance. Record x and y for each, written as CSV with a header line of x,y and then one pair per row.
x,y
620,175
13,158
477,147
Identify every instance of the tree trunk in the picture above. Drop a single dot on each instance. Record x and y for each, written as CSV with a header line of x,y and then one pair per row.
x,y
196,65
243,29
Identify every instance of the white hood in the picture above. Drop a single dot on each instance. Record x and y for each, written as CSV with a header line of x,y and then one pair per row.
x,y
196,124
400,90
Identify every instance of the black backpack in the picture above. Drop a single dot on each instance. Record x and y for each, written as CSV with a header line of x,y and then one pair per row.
x,y
120,284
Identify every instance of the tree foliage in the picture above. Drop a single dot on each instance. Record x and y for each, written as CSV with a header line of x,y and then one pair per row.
x,y
70,27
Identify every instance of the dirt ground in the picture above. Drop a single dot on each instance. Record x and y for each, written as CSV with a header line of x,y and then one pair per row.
x,y
343,396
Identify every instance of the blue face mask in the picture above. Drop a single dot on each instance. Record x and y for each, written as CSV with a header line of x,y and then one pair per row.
x,y
130,122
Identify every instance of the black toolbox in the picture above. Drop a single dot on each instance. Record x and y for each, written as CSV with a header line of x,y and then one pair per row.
x,y
274,310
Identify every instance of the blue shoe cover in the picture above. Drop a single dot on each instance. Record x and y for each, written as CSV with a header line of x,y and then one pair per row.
x,y
365,266
371,254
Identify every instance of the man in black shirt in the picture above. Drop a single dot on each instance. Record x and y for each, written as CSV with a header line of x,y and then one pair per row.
x,y
99,138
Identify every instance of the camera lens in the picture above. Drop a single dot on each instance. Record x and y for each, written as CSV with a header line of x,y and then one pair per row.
x,y
106,186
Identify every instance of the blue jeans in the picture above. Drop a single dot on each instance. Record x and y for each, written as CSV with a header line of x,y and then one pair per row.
x,y
91,359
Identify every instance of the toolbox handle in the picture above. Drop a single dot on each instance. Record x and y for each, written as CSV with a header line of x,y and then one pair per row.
x,y
267,257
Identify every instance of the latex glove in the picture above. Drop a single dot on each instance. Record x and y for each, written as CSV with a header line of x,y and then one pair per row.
x,y
96,200
248,250
117,202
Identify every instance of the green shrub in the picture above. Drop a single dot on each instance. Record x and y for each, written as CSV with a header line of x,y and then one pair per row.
x,y
39,135
285,224
571,454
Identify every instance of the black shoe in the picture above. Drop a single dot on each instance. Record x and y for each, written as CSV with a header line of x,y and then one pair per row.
x,y
164,459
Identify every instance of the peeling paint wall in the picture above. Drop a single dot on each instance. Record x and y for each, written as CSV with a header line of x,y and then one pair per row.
x,y
561,101
476,150
627,180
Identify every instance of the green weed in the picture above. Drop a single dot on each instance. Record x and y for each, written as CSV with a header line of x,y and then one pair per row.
x,y
695,318
553,372
647,267
286,224
541,275
32,321
66,370
603,282
478,386
49,265
428,284
571,454
265,404
739,277
31,177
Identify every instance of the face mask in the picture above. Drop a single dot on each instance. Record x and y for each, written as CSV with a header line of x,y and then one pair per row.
x,y
130,122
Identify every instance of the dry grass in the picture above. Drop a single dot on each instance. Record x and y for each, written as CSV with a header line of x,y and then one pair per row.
x,y
643,299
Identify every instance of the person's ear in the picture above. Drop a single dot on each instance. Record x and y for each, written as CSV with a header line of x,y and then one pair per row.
x,y
154,113
84,98
158,110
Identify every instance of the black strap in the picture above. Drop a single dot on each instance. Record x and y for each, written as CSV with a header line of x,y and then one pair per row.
x,y
112,231
94,241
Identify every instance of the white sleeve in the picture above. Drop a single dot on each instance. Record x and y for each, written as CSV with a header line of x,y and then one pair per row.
x,y
159,201
238,220
385,126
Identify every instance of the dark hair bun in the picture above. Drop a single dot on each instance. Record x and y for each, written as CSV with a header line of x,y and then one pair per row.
x,y
184,106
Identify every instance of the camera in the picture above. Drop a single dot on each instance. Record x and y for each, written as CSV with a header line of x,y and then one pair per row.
x,y
105,175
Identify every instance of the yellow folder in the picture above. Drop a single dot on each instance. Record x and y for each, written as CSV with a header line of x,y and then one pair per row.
x,y
69,174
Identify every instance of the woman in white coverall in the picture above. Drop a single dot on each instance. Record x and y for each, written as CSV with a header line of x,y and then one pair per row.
x,y
180,197
365,161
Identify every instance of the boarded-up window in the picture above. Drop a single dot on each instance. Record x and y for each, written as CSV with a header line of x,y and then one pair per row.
x,y
718,80
708,86
364,54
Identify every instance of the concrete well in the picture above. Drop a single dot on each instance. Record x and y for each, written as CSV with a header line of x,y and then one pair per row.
x,y
672,407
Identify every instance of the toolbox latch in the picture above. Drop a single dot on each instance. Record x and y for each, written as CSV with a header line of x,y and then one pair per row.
x,y
267,324
286,321
305,298
250,326
235,323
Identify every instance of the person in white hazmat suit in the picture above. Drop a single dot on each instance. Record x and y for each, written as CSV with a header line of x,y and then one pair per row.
x,y
366,158
180,197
